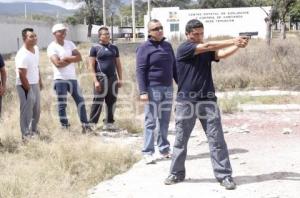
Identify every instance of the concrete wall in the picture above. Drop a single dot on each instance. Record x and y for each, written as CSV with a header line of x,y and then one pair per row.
x,y
11,39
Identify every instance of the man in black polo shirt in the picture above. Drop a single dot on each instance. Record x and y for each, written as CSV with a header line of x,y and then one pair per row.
x,y
107,70
2,81
196,100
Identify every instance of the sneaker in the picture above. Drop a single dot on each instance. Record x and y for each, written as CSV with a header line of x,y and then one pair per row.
x,y
173,179
228,183
149,159
65,126
166,155
110,127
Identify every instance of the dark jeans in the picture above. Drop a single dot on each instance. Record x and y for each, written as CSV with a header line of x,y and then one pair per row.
x,y
209,115
108,94
62,87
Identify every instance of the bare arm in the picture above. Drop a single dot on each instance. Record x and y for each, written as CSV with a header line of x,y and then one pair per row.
x,y
213,46
40,81
217,45
224,53
58,62
76,57
119,70
3,80
92,61
23,78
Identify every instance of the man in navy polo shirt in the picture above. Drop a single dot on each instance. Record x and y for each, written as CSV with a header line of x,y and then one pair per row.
x,y
2,81
155,69
107,74
196,100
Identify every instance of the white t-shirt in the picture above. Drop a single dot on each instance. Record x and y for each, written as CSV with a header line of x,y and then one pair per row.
x,y
65,73
30,61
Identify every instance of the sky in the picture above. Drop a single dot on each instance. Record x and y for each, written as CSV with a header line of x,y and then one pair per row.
x,y
53,2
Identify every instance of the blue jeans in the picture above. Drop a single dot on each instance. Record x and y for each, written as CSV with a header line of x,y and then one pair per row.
x,y
158,109
62,87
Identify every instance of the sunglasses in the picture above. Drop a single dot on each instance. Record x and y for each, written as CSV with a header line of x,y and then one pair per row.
x,y
157,28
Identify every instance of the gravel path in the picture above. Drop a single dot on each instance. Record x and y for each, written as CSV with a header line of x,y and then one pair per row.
x,y
264,151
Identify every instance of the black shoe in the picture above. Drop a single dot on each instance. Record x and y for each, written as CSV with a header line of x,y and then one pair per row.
x,y
65,126
87,129
173,179
228,183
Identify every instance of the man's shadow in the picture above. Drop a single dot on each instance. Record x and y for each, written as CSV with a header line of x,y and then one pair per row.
x,y
207,155
240,180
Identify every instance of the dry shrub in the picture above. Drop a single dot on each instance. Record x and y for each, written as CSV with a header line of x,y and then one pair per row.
x,y
260,65
59,163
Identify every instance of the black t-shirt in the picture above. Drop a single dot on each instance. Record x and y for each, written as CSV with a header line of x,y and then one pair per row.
x,y
195,81
105,58
1,61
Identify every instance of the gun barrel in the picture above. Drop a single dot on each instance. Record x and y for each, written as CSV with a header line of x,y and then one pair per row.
x,y
248,34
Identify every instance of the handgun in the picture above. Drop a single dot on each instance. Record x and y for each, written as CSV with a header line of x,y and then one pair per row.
x,y
248,34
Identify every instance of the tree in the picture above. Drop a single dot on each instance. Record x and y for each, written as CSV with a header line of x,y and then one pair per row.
x,y
92,11
295,13
182,4
141,10
283,7
222,3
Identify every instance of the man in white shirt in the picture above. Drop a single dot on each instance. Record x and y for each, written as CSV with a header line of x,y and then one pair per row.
x,y
28,83
63,54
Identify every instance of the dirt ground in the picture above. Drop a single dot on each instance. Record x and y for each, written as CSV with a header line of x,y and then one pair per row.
x,y
264,151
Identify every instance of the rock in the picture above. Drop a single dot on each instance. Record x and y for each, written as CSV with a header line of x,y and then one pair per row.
x,y
287,131
226,130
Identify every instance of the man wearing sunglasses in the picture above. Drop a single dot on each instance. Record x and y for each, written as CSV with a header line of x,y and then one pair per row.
x,y
155,69
196,100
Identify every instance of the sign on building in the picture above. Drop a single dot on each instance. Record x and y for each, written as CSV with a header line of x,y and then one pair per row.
x,y
217,22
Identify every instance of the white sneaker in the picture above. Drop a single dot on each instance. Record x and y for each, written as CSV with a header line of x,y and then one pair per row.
x,y
110,127
149,159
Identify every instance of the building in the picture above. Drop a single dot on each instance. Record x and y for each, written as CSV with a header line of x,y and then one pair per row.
x,y
217,22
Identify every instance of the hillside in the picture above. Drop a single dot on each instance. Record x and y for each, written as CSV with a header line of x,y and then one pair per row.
x,y
18,8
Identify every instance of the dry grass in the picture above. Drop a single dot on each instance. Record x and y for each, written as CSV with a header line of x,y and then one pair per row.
x,y
59,163
261,66
63,164
230,104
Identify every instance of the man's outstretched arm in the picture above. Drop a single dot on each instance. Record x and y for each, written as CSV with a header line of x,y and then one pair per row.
x,y
217,45
224,53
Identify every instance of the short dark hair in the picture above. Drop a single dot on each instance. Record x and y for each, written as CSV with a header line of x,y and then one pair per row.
x,y
192,24
102,28
24,32
152,21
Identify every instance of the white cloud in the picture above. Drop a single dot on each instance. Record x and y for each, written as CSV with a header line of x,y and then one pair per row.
x,y
67,5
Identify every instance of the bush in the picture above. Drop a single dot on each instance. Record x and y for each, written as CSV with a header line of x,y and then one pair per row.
x,y
260,65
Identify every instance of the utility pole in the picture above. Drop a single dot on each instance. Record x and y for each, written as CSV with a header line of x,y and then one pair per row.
x,y
133,21
112,27
25,11
149,10
104,12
